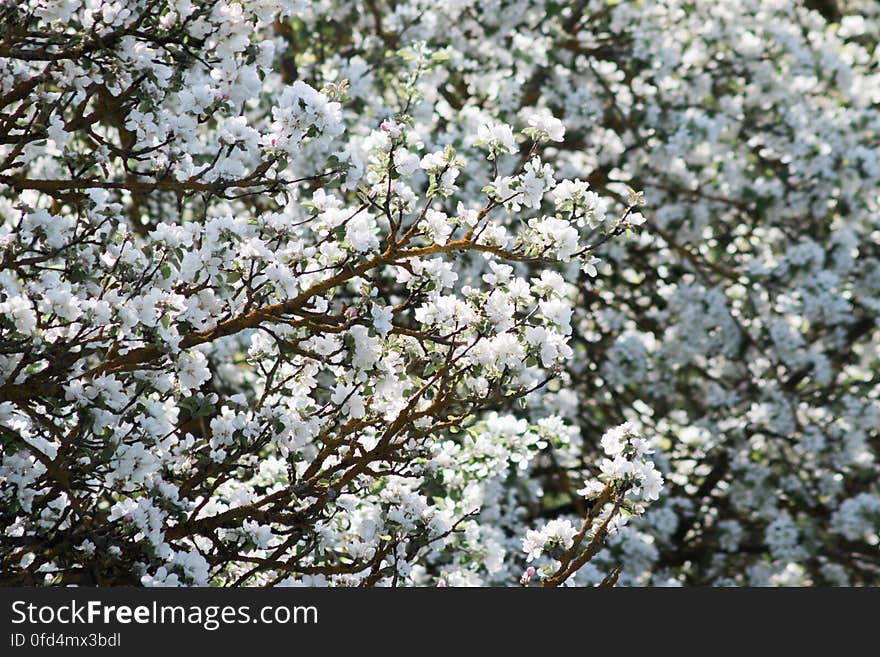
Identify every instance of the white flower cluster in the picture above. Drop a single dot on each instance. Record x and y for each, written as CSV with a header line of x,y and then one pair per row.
x,y
626,464
554,537
627,481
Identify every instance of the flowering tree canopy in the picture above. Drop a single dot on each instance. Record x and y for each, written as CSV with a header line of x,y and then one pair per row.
x,y
477,292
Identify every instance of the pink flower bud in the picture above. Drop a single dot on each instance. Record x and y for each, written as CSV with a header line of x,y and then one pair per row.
x,y
530,571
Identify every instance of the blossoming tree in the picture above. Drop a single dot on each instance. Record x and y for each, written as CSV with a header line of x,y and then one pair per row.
x,y
363,293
